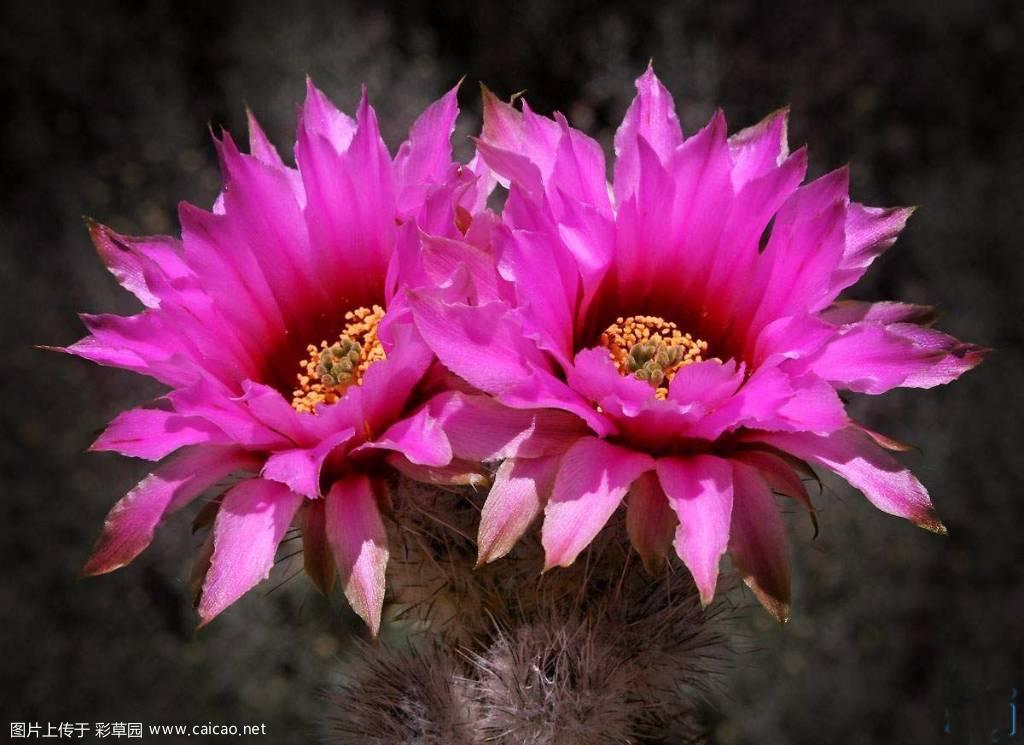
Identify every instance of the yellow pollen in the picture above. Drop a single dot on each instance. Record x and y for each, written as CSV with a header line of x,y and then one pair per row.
x,y
329,370
651,349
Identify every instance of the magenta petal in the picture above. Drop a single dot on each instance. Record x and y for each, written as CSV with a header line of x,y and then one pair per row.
x,y
251,522
230,274
707,383
772,400
299,468
806,244
130,524
813,407
790,338
545,391
758,545
845,312
868,357
456,473
546,281
578,172
593,478
120,258
589,235
519,146
358,541
521,487
269,407
261,208
155,433
595,376
317,560
513,168
869,232
502,122
481,429
482,344
419,437
736,258
387,387
138,343
259,144
211,402
701,170
700,491
441,263
780,476
350,212
319,115
650,521
424,158
652,116
886,483
759,149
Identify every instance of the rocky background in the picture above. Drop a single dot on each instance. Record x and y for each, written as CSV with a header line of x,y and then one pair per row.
x,y
898,636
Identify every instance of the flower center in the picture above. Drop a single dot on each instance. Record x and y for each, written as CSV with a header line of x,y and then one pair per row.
x,y
651,348
328,371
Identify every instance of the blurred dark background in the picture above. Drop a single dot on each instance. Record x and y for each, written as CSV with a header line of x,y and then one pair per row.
x,y
897,635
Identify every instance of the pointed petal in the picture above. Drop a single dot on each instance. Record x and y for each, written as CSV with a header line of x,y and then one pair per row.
x,y
358,541
781,477
139,343
481,429
805,245
424,158
869,357
772,400
650,521
578,173
299,468
261,208
707,383
419,437
482,344
118,256
218,405
845,312
321,116
259,144
387,386
700,491
869,232
456,473
200,568
350,209
155,433
886,483
251,522
758,545
592,480
317,559
759,149
130,525
521,488
652,116
268,406
546,281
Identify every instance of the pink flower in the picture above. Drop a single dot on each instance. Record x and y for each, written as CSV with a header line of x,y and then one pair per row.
x,y
675,341
277,323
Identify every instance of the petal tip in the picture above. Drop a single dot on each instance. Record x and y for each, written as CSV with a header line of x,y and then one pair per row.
x,y
933,525
93,567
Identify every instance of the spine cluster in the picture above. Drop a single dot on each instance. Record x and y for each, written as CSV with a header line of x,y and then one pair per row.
x,y
601,652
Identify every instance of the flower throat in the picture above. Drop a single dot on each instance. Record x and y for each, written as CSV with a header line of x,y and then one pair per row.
x,y
651,349
328,371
